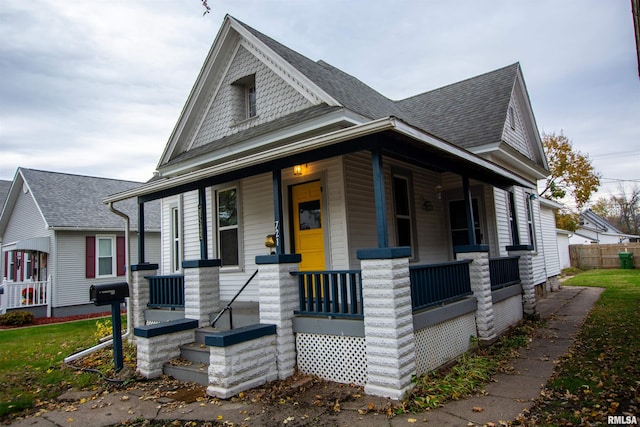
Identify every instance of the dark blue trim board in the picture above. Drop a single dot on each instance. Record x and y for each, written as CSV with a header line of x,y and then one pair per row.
x,y
384,253
278,259
239,335
164,328
144,267
465,249
515,248
197,263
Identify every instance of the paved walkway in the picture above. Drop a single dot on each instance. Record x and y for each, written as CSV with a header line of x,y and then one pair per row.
x,y
506,397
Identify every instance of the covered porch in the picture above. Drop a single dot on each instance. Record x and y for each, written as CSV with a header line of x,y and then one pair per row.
x,y
462,282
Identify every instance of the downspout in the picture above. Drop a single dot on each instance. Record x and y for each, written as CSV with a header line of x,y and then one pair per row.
x,y
129,278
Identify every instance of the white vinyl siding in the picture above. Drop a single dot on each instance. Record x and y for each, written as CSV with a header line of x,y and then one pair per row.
x,y
25,221
516,136
431,233
550,241
274,98
70,286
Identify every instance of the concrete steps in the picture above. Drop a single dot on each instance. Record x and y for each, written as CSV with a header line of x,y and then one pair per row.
x,y
193,363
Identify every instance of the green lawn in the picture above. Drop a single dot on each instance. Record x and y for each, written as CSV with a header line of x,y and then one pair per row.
x,y
31,366
601,374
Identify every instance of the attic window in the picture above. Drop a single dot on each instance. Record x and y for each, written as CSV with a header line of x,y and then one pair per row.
x,y
246,95
512,118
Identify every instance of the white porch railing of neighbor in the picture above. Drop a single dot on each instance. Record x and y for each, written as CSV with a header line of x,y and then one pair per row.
x,y
25,294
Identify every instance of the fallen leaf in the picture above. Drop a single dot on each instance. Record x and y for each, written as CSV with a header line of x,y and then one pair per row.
x,y
477,409
412,420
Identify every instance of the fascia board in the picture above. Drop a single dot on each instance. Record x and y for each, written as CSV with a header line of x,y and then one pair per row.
x,y
283,68
266,140
273,153
297,147
219,44
462,153
509,155
521,87
14,191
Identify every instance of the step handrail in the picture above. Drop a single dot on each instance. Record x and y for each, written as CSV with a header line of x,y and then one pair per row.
x,y
228,306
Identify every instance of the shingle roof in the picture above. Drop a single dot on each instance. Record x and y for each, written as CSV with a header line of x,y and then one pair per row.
x,y
468,113
75,201
4,192
348,90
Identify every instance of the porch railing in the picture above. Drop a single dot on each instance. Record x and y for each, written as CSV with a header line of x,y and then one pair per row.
x,y
504,272
25,294
436,284
336,293
166,291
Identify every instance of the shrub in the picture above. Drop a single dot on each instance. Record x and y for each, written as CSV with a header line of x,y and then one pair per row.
x,y
17,318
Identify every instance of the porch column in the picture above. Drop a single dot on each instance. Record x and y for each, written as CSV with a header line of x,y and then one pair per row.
x,y
140,292
380,198
140,231
468,209
525,264
201,289
277,210
202,222
480,277
278,299
388,321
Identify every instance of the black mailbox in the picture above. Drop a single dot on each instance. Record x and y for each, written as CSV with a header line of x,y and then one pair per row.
x,y
108,293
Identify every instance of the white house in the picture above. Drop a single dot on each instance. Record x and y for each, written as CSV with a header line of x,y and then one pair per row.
x,y
385,233
595,229
58,238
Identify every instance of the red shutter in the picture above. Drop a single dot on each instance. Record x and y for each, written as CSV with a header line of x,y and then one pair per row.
x,y
120,255
90,259
22,266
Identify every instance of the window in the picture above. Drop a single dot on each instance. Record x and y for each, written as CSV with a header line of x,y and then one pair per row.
x,y
245,98
227,227
176,245
513,223
105,257
28,264
530,226
403,211
512,118
250,94
459,227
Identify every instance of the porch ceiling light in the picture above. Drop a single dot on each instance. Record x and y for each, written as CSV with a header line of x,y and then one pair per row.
x,y
297,170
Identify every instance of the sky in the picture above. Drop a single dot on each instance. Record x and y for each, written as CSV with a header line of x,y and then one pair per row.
x,y
96,87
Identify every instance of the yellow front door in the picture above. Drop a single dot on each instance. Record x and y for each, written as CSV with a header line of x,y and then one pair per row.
x,y
308,231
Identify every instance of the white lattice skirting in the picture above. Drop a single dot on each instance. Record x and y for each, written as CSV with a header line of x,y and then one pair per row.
x,y
507,313
335,358
437,344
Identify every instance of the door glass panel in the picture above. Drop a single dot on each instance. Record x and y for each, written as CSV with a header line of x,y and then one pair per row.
x,y
309,215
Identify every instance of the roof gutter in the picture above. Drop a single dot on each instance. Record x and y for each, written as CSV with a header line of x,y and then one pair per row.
x,y
375,126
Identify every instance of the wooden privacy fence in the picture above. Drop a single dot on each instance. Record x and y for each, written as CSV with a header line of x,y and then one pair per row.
x,y
592,256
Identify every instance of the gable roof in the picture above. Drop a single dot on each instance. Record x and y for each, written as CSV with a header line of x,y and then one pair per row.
x,y
346,89
467,113
597,223
69,201
4,192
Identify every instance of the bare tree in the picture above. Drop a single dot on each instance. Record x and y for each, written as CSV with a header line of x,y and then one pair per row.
x,y
622,210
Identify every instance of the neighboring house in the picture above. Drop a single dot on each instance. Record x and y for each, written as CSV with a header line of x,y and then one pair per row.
x,y
563,247
4,191
550,244
58,239
279,163
595,229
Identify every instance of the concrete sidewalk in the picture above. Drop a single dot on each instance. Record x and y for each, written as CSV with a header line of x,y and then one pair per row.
x,y
506,397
